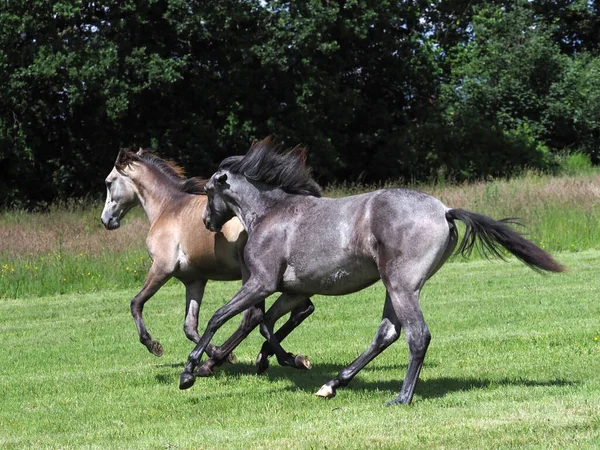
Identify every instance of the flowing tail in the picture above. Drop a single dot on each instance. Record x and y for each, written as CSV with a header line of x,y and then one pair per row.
x,y
491,234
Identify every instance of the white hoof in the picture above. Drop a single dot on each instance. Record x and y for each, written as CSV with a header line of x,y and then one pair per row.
x,y
326,392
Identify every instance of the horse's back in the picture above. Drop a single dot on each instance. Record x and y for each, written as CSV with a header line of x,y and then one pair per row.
x,y
337,246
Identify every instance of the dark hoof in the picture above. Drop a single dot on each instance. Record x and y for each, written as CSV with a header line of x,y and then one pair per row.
x,y
186,380
395,402
205,371
232,359
302,362
156,349
262,363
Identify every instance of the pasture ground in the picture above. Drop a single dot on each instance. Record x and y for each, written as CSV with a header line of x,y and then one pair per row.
x,y
514,363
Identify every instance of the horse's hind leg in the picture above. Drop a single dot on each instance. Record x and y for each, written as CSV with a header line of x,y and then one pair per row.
x,y
408,311
300,307
155,279
387,334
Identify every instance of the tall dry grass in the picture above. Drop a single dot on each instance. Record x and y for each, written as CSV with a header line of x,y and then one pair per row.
x,y
68,230
560,213
67,249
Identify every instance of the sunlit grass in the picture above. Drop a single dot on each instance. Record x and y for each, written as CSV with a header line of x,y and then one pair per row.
x,y
513,363
60,273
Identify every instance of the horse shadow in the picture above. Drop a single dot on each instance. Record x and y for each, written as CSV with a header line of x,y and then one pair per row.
x,y
311,380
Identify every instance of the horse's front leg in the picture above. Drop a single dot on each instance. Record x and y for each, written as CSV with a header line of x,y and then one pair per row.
x,y
194,292
155,279
252,317
250,294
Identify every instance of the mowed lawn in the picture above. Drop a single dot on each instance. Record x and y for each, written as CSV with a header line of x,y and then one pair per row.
x,y
514,362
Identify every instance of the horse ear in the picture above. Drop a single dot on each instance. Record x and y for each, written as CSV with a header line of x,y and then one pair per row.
x,y
121,159
140,151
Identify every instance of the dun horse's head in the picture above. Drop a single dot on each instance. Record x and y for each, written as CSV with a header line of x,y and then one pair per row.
x,y
121,194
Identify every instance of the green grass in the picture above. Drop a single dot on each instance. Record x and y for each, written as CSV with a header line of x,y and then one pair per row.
x,y
61,273
68,250
514,362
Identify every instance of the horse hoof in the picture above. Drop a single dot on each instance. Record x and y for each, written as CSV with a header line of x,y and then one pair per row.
x,y
157,349
302,362
204,371
232,359
395,402
262,363
326,392
186,380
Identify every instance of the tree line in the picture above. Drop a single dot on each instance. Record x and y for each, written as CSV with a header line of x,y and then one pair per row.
x,y
375,89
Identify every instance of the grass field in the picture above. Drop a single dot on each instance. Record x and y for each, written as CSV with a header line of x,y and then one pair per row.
x,y
514,362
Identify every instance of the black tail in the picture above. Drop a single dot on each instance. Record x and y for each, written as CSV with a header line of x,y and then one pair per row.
x,y
493,233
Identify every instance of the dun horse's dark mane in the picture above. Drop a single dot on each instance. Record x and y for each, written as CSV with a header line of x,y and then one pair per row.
x,y
265,163
171,170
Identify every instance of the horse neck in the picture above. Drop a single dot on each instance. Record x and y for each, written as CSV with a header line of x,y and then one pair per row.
x,y
154,192
256,202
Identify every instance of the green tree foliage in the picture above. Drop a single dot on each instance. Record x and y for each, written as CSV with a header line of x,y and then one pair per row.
x,y
512,96
349,78
496,94
72,76
375,89
571,119
576,23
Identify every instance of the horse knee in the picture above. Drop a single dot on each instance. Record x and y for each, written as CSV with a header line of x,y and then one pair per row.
x,y
310,308
135,307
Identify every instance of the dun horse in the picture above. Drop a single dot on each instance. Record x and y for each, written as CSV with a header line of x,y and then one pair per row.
x,y
178,243
302,244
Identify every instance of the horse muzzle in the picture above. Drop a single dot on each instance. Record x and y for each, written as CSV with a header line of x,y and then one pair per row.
x,y
110,224
210,227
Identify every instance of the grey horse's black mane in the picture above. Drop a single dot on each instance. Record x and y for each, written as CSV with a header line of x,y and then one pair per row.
x,y
174,173
266,164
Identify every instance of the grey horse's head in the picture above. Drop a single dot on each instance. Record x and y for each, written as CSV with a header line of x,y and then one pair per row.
x,y
264,165
218,210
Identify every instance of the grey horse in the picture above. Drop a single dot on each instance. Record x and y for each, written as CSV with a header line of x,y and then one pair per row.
x,y
303,244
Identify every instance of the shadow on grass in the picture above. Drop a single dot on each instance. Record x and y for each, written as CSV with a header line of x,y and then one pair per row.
x,y
431,388
310,381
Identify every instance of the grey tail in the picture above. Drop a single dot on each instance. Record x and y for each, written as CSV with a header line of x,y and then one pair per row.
x,y
488,235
